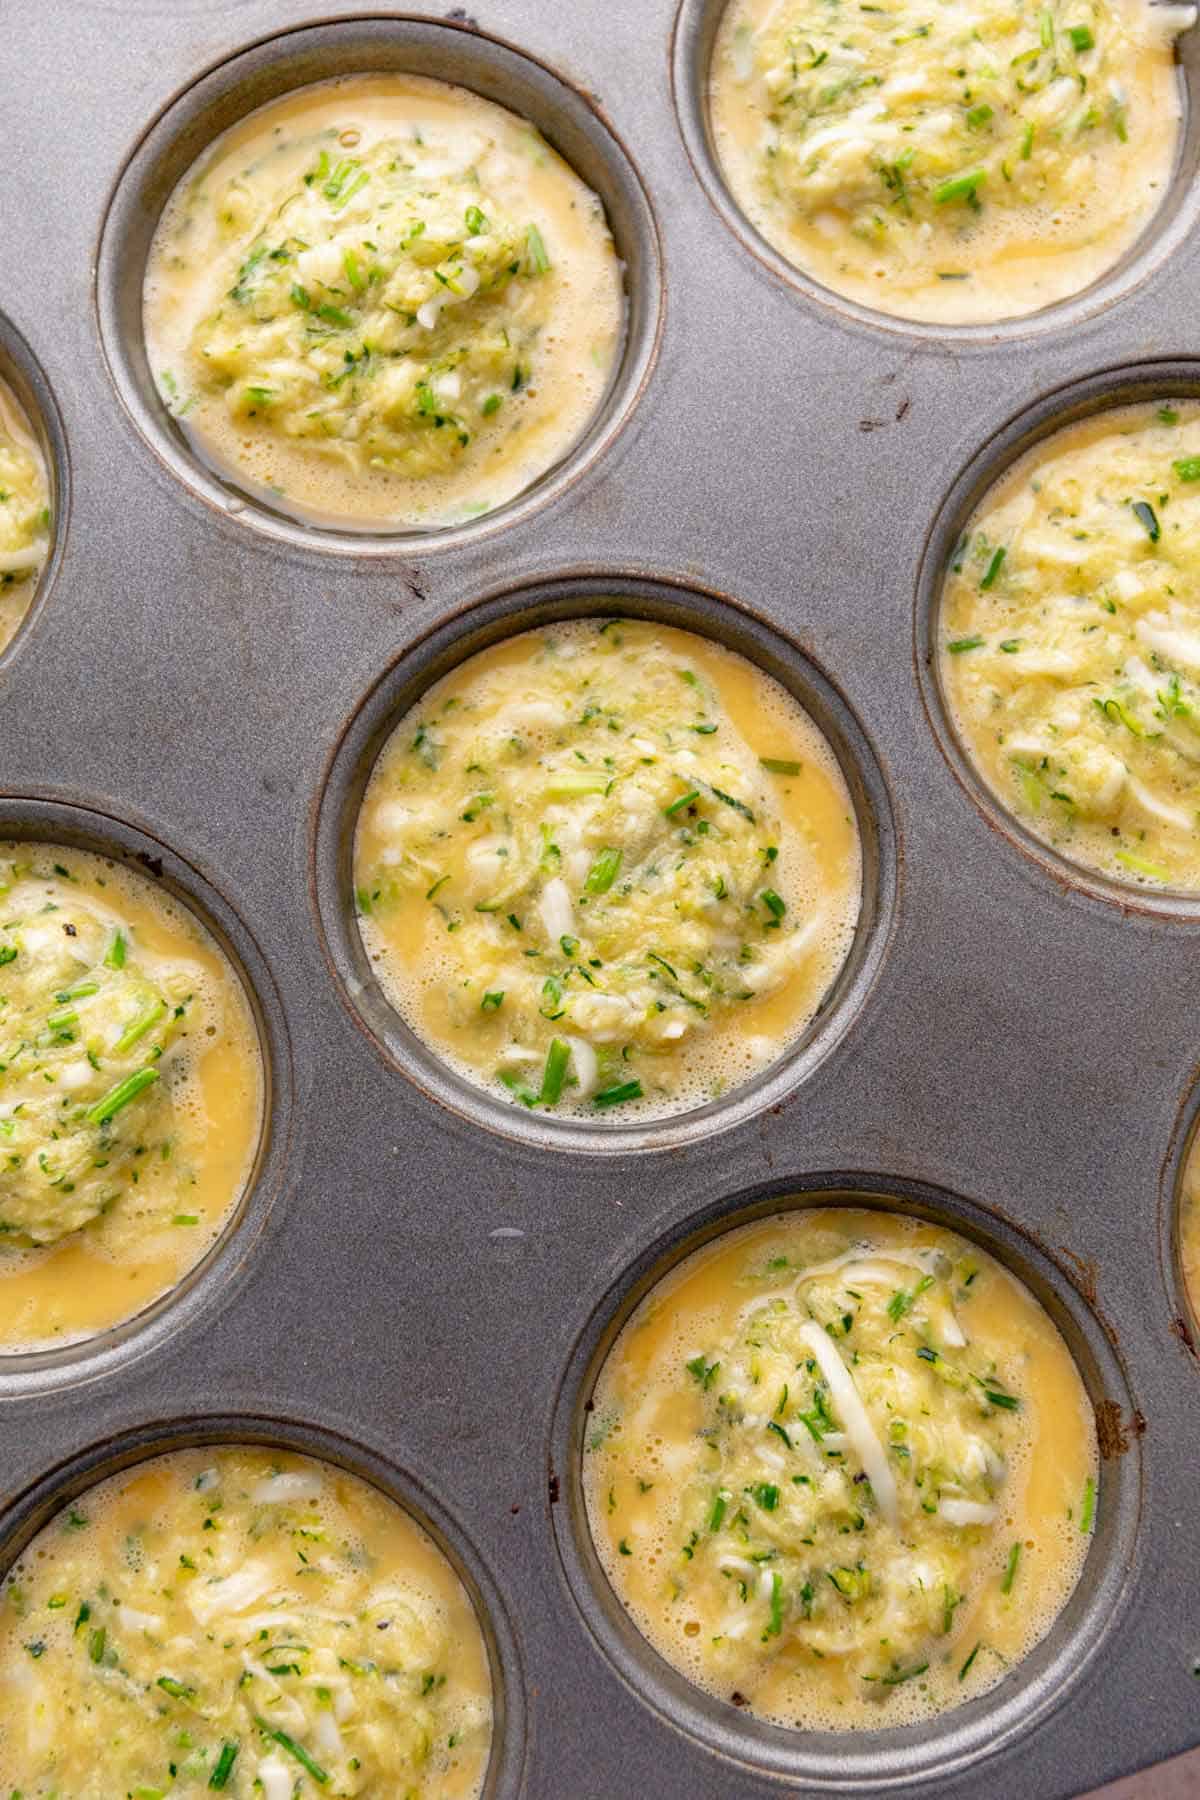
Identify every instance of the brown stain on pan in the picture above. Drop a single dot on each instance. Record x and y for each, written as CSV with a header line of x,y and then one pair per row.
x,y
1086,1276
1183,1331
1113,1435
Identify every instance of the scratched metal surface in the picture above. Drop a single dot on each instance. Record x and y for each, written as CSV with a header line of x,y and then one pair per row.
x,y
430,1289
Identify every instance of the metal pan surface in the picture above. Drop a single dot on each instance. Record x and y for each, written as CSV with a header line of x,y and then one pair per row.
x,y
415,1286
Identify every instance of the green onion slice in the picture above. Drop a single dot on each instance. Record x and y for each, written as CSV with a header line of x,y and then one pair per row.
x,y
617,1096
110,1105
223,1767
604,871
555,1072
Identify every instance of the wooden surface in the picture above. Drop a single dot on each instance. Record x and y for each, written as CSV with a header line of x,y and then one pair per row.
x,y
1178,1780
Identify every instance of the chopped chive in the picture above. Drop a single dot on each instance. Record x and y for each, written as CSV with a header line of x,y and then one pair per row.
x,y
772,1425
1010,646
139,1027
555,1072
1146,515
125,1091
732,800
115,957
767,1495
476,223
293,1749
900,1675
1010,1569
178,1690
960,187
347,194
957,646
96,1644
773,903
962,1673
718,1510
223,1767
537,261
80,991
491,405
679,804
1087,1513
617,1096
1081,37
492,1002
1188,468
604,871
774,1623
904,1299
994,567
978,116
778,765
1046,22
333,315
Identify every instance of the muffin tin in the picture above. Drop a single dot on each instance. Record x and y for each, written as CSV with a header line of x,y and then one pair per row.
x,y
420,1282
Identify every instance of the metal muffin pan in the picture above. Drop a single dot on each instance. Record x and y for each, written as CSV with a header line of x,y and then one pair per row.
x,y
1142,382
67,1482
420,1293
22,375
265,71
696,28
910,1754
50,821
501,616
